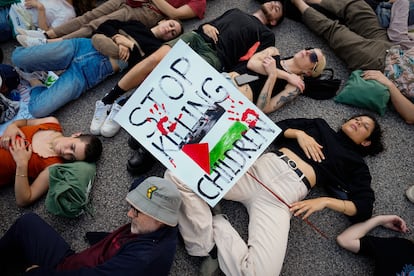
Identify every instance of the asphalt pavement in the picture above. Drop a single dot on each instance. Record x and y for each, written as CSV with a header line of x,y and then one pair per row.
x,y
308,253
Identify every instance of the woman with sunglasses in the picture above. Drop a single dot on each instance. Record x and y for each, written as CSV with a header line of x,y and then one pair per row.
x,y
363,44
276,81
29,147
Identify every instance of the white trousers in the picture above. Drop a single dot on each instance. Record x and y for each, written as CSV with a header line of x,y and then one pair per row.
x,y
269,220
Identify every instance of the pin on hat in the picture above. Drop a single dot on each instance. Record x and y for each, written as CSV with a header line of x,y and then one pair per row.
x,y
158,198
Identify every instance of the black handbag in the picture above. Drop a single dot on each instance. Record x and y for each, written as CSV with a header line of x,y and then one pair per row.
x,y
323,87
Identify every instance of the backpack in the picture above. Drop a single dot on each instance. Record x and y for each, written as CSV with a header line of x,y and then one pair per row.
x,y
69,188
323,87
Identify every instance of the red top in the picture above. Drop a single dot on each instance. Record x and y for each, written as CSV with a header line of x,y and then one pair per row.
x,y
100,252
36,163
198,6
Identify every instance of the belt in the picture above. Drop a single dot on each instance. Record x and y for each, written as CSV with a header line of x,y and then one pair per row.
x,y
294,167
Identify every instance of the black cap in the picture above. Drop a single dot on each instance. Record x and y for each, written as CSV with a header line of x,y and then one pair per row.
x,y
9,77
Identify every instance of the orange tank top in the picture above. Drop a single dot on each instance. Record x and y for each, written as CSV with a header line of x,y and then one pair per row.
x,y
36,163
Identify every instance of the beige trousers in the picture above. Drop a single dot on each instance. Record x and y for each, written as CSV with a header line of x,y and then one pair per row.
x,y
84,25
269,220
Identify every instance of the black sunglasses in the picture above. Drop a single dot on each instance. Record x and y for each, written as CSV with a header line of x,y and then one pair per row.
x,y
134,210
313,57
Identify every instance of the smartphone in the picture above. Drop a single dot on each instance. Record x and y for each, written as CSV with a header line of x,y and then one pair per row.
x,y
245,78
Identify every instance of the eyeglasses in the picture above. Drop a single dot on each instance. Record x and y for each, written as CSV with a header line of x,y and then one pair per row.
x,y
135,211
313,58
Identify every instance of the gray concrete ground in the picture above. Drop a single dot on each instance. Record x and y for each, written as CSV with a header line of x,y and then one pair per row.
x,y
308,252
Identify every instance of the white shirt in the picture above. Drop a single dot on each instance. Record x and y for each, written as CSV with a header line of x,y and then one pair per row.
x,y
57,12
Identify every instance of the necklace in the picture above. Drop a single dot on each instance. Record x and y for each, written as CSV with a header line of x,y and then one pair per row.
x,y
285,66
52,142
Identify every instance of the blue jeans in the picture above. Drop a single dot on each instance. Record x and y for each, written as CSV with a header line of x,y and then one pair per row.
x,y
30,240
5,28
383,12
84,68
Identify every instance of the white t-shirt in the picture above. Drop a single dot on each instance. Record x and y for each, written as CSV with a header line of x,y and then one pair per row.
x,y
57,12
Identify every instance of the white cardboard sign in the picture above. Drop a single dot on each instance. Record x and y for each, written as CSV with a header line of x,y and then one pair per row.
x,y
197,123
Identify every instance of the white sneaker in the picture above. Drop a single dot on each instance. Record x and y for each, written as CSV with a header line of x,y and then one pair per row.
x,y
31,33
101,112
110,127
410,193
28,41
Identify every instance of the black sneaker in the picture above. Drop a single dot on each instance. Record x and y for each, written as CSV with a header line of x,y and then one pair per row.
x,y
133,143
141,162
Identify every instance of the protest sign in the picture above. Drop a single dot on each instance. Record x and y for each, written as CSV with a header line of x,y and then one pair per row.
x,y
197,123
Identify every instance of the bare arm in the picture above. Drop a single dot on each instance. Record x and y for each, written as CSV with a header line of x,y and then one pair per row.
x,y
285,96
24,192
403,105
264,99
137,74
350,238
309,206
41,20
32,122
255,64
183,12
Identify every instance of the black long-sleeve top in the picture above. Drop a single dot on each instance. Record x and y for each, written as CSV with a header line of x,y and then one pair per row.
x,y
239,31
138,31
343,166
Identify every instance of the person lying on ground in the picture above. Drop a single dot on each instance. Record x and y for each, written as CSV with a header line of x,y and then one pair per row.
x,y
392,255
130,41
363,44
145,246
29,147
283,77
308,152
84,66
148,13
279,81
39,15
220,42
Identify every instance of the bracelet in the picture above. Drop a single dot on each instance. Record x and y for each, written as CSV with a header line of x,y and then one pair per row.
x,y
344,207
22,175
